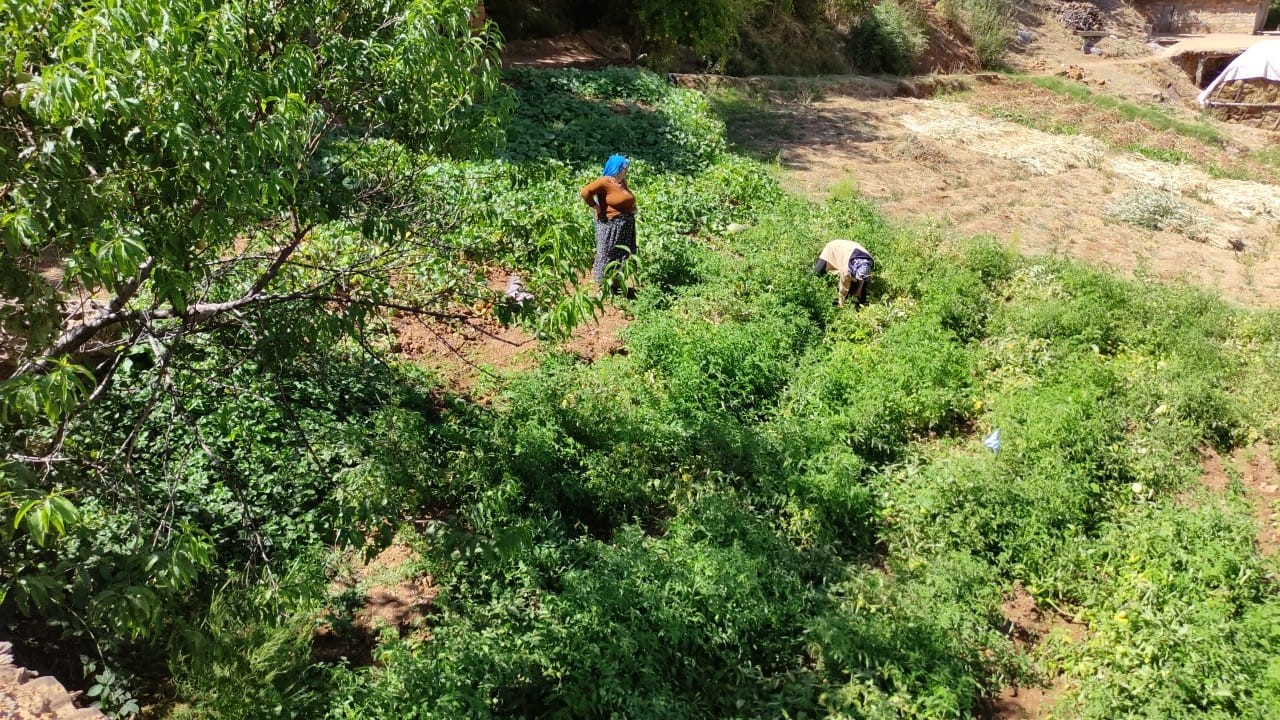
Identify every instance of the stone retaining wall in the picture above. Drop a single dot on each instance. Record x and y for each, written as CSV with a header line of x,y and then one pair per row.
x,y
1203,16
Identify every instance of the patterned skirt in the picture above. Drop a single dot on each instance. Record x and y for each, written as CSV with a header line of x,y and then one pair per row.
x,y
615,242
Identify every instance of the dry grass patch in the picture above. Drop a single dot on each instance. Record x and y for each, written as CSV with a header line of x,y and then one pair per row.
x,y
1158,210
1164,139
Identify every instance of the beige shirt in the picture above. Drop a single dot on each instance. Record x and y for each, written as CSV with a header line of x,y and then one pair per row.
x,y
837,253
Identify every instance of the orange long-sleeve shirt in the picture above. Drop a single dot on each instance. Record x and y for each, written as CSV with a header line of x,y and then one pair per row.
x,y
609,196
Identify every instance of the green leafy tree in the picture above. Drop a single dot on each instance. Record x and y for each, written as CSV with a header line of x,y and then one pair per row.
x,y
181,175
166,165
707,26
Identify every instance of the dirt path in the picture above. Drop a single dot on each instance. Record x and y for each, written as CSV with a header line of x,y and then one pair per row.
x,y
587,50
941,163
1121,61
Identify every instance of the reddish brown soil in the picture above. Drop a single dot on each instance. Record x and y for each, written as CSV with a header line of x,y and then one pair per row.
x,y
1028,625
1031,703
602,338
1214,471
466,354
947,50
1261,483
401,604
586,50
389,600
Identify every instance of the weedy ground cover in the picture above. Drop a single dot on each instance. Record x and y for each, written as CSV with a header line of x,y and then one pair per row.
x,y
768,506
1156,209
1153,116
1070,108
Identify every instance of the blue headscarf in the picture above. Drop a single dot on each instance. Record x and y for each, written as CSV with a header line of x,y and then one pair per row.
x,y
615,164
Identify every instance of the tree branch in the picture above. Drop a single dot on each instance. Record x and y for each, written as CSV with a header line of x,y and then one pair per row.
x,y
112,314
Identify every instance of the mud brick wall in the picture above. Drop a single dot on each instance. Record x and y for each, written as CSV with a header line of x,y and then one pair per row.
x,y
1204,16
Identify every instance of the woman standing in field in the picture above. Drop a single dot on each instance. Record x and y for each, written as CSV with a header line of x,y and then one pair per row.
x,y
615,208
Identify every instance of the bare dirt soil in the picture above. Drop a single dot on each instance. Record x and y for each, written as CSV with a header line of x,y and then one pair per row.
x,y
391,600
1256,471
946,49
466,355
1115,61
581,50
390,595
944,163
1028,625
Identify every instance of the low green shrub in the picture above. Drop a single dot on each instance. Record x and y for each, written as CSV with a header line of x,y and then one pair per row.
x,y
717,357
991,24
1049,482
874,396
920,643
1177,157
887,39
1176,603
578,118
831,503
252,655
578,443
671,261
621,626
1072,308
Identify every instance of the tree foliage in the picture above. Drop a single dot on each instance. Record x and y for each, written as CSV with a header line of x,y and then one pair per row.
x,y
165,166
185,187
706,26
766,506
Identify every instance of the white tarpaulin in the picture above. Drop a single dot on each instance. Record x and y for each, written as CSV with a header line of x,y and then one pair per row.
x,y
1259,61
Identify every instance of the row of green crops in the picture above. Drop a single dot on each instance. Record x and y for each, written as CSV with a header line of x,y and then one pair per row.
x,y
770,507
766,507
